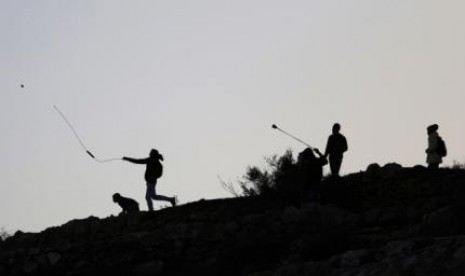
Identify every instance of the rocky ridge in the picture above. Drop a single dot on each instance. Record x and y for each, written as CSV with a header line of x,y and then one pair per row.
x,y
383,221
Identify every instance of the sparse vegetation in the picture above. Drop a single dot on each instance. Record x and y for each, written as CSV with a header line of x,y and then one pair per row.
x,y
4,234
458,166
229,187
279,179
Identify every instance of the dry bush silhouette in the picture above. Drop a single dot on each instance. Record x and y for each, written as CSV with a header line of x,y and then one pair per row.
x,y
279,180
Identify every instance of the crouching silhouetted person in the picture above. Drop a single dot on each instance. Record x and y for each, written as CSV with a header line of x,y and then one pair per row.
x,y
311,168
436,147
128,205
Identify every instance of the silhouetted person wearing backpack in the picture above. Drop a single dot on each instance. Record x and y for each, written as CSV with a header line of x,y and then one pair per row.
x,y
335,148
153,171
436,147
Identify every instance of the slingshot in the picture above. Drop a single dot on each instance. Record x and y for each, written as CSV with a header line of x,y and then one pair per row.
x,y
79,139
290,135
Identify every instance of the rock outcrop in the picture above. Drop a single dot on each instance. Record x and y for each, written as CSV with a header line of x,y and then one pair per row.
x,y
385,221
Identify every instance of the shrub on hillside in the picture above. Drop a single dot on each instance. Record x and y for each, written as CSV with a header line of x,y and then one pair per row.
x,y
278,180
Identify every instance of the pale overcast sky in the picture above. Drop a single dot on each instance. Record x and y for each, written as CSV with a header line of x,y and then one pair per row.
x,y
203,81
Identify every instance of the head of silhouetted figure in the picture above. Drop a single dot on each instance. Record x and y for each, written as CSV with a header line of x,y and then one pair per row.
x,y
305,156
432,128
336,128
116,197
155,154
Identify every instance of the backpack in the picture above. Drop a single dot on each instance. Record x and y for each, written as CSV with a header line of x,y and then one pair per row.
x,y
158,169
441,149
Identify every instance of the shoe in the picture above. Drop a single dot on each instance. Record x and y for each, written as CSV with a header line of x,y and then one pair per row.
x,y
174,201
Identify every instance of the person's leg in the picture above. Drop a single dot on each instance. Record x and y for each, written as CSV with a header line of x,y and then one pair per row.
x,y
162,198
335,162
171,200
149,195
338,164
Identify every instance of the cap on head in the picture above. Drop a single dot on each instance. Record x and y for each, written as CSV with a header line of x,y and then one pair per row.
x,y
116,197
432,128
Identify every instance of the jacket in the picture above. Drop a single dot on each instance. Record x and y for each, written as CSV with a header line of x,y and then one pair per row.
x,y
153,170
337,145
431,156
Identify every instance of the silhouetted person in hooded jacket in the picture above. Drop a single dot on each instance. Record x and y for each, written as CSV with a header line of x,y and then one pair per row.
x,y
128,205
433,158
153,171
311,173
335,148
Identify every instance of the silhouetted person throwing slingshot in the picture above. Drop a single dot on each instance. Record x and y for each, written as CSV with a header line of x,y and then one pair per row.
x,y
311,173
153,171
335,148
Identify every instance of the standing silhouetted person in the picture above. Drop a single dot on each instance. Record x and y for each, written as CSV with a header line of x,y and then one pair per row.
x,y
311,173
128,205
153,171
335,148
436,147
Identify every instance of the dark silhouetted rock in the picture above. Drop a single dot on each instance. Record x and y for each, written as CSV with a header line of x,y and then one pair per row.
x,y
386,221
373,170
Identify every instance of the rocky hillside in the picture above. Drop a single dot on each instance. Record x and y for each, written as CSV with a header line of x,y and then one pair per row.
x,y
384,221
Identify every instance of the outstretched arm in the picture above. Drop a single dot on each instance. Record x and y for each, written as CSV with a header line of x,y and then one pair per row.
x,y
322,158
319,152
135,161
